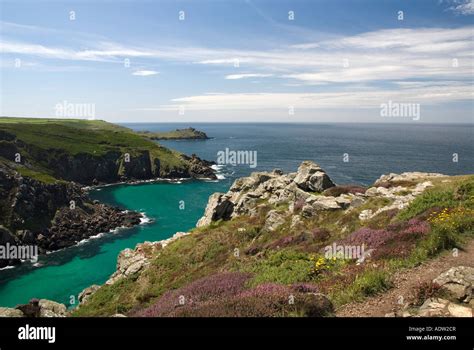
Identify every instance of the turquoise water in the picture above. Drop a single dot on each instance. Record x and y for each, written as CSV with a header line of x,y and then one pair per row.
x,y
374,149
68,272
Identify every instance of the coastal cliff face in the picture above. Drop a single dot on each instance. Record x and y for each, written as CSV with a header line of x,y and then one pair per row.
x,y
109,167
52,215
44,163
298,245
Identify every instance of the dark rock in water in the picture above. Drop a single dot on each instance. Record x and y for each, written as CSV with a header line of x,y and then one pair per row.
x,y
200,168
68,225
41,214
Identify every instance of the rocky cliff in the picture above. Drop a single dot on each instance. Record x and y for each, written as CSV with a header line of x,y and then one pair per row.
x,y
44,163
296,245
52,216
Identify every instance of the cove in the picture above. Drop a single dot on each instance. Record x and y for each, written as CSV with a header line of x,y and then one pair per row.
x,y
62,275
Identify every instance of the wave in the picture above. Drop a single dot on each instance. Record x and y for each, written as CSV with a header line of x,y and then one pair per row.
x,y
220,171
7,267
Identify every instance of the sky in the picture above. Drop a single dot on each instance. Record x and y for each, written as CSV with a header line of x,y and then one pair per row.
x,y
238,60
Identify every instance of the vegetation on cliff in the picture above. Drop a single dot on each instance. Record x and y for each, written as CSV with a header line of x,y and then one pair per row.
x,y
45,162
84,151
274,247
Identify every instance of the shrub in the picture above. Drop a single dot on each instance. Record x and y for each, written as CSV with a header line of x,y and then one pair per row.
x,y
369,283
369,237
299,204
282,266
265,300
465,191
305,288
338,190
425,291
402,183
220,285
458,219
320,235
429,199
322,264
404,239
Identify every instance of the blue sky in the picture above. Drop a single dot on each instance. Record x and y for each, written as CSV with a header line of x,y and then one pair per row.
x,y
238,60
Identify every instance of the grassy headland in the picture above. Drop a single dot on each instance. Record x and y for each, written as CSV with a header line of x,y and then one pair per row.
x,y
178,134
44,143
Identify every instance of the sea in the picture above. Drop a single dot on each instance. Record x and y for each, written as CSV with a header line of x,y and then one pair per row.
x,y
350,154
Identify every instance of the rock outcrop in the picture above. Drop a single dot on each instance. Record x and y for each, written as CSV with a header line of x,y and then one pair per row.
x,y
400,196
310,177
456,287
52,215
405,177
305,189
458,282
199,168
35,308
132,261
276,187
6,237
10,312
87,293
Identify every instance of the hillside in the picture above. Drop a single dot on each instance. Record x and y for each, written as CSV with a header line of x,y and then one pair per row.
x,y
44,164
296,245
87,151
178,134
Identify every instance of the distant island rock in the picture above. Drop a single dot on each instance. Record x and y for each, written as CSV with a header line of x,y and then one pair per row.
x,y
178,134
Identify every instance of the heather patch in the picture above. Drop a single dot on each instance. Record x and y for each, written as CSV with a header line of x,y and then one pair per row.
x,y
220,285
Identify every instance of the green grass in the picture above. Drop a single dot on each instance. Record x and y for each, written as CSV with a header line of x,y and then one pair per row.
x,y
369,283
43,177
442,195
210,250
45,139
285,266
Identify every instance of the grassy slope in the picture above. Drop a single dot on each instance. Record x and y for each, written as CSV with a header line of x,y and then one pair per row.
x,y
75,136
211,249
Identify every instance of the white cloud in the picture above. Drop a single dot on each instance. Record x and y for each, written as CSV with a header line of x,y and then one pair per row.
x,y
463,7
246,75
358,98
384,56
145,73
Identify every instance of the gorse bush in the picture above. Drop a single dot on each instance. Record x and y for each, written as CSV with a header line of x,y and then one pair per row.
x,y
322,264
429,199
